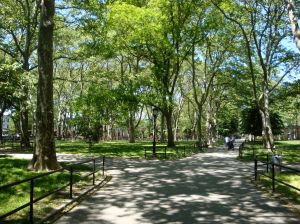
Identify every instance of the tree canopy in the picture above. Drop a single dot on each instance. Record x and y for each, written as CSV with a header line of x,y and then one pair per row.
x,y
203,64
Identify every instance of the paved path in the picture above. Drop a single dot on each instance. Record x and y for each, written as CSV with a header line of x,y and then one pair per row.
x,y
205,188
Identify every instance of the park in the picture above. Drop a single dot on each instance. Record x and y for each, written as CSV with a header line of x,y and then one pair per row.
x,y
149,111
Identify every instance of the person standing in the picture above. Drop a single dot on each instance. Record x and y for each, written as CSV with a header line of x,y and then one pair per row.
x,y
227,142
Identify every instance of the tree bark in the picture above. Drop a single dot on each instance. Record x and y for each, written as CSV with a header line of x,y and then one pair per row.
x,y
267,133
162,127
294,22
169,120
209,124
1,123
199,126
131,127
44,157
24,126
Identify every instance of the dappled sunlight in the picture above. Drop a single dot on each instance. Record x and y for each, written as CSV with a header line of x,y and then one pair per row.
x,y
206,188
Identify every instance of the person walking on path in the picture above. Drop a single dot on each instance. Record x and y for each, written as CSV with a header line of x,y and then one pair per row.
x,y
205,188
227,142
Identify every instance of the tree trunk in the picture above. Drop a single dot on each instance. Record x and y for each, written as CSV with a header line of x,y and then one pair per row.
x,y
266,122
1,123
293,20
162,127
199,127
168,116
44,157
64,125
60,125
267,131
24,126
24,112
131,127
109,134
209,126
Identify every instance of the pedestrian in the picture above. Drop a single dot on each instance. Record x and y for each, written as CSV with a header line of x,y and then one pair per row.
x,y
227,142
231,141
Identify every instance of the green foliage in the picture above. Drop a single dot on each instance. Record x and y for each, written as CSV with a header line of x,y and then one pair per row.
x,y
10,83
228,127
252,123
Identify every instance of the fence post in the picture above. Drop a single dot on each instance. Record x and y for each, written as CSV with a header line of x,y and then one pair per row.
x,y
273,177
166,152
184,151
255,168
267,163
145,153
94,169
71,182
31,201
103,161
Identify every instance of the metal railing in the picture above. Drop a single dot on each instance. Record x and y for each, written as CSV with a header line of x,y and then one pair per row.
x,y
149,151
15,143
166,152
271,167
70,168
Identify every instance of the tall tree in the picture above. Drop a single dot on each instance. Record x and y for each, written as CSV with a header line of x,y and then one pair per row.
x,y
263,30
44,157
18,27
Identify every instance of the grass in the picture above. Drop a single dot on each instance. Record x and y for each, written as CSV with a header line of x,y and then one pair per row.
x,y
289,150
15,169
285,191
119,148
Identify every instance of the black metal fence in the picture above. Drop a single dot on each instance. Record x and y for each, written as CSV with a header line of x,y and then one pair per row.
x,y
165,152
71,169
270,168
14,142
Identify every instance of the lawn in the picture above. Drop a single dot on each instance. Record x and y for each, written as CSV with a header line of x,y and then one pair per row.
x,y
289,150
10,198
119,148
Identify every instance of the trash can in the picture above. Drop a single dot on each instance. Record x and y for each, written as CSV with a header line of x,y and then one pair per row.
x,y
277,160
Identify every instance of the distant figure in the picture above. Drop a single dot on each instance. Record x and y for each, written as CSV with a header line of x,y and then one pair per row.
x,y
227,141
231,141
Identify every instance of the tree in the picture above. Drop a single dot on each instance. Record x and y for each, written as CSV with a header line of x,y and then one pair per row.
x,y
158,32
44,157
252,122
269,62
18,32
9,84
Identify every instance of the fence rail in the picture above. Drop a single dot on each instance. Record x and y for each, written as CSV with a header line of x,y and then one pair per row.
x,y
70,168
164,151
267,163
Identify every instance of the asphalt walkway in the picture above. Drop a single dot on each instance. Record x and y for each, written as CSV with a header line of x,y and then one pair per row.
x,y
204,188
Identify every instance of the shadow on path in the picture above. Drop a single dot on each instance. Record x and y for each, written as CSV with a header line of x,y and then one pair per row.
x,y
205,188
